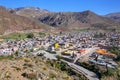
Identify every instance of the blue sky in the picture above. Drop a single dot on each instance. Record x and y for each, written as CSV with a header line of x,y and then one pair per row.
x,y
101,7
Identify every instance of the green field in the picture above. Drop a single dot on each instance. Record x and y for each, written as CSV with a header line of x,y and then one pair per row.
x,y
15,36
21,35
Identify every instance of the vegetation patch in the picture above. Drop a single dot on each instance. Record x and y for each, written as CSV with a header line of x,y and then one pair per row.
x,y
15,36
31,76
7,57
64,67
53,75
30,35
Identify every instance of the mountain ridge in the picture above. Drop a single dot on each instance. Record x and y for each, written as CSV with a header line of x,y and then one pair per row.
x,y
34,11
114,16
73,20
10,22
29,18
86,19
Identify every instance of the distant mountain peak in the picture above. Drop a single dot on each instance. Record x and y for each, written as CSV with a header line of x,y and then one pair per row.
x,y
114,16
29,11
31,8
88,12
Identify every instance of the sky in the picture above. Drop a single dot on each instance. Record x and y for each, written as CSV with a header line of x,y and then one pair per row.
x,y
101,7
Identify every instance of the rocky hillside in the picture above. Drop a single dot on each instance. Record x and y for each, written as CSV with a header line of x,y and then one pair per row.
x,y
31,68
114,16
11,22
70,20
36,19
78,20
30,12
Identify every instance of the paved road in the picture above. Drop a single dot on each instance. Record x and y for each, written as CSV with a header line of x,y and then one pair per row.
x,y
47,55
89,74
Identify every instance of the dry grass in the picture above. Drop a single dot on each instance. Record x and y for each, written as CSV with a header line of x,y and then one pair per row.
x,y
26,69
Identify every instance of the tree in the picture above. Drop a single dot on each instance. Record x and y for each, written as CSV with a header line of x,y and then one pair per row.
x,y
16,53
116,51
30,35
99,35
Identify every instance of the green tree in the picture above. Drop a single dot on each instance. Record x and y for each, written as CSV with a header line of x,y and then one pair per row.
x,y
99,35
30,35
16,53
116,51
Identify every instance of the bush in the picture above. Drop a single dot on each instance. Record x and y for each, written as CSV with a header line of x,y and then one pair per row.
x,y
116,51
99,35
62,66
91,67
31,76
110,72
30,35
16,68
16,53
52,75
6,57
58,57
28,65
42,34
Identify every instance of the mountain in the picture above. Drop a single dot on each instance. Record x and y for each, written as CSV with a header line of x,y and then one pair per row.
x,y
29,11
78,20
10,22
114,16
69,20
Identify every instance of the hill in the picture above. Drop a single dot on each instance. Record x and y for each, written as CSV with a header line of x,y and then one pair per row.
x,y
70,20
114,16
78,20
10,22
30,12
31,68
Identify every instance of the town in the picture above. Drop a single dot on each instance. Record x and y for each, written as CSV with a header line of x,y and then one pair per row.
x,y
74,47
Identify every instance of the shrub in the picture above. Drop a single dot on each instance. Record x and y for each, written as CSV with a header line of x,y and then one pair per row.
x,y
99,35
16,68
110,72
31,76
30,35
42,34
52,75
58,57
28,65
6,57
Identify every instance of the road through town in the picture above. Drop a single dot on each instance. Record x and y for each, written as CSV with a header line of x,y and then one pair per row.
x,y
89,74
